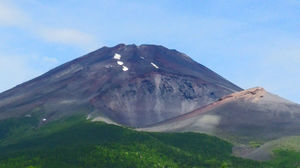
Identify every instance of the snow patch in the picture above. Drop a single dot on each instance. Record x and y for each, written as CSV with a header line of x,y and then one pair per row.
x,y
154,65
117,56
125,68
120,62
143,57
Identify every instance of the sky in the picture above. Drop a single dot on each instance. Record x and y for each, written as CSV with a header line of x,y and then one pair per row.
x,y
250,42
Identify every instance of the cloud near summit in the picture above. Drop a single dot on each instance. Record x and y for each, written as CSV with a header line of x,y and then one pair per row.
x,y
68,36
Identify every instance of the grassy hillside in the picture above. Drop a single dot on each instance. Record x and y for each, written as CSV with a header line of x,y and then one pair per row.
x,y
77,142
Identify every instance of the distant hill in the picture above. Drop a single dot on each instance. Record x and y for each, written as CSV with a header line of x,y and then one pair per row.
x,y
249,117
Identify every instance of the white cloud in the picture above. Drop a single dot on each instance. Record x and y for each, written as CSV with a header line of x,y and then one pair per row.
x,y
70,37
17,68
10,14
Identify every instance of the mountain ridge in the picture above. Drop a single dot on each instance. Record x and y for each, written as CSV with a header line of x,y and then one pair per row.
x,y
254,120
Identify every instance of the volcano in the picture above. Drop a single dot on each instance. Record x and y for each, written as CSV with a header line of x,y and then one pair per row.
x,y
129,85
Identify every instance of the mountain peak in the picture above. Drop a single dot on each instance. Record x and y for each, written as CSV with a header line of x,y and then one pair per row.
x,y
252,93
127,84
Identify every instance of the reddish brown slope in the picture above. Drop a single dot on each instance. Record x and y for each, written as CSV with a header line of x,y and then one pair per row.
x,y
245,116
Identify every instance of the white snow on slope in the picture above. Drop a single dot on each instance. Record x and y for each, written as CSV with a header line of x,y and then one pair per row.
x,y
117,56
120,62
154,65
125,68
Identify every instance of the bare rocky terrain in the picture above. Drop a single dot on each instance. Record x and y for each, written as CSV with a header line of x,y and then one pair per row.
x,y
245,117
127,84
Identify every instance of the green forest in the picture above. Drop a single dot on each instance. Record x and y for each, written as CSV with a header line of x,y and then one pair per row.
x,y
77,142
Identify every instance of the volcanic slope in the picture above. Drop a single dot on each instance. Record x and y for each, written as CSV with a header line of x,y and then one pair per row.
x,y
245,117
127,84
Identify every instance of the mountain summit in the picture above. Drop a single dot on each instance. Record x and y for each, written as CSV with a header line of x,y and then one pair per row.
x,y
126,84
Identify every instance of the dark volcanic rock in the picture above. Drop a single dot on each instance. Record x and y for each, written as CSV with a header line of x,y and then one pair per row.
x,y
128,84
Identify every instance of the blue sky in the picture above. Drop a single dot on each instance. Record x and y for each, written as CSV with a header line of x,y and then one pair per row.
x,y
250,42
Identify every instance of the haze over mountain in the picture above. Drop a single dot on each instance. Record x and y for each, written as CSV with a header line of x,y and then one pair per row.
x,y
126,84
